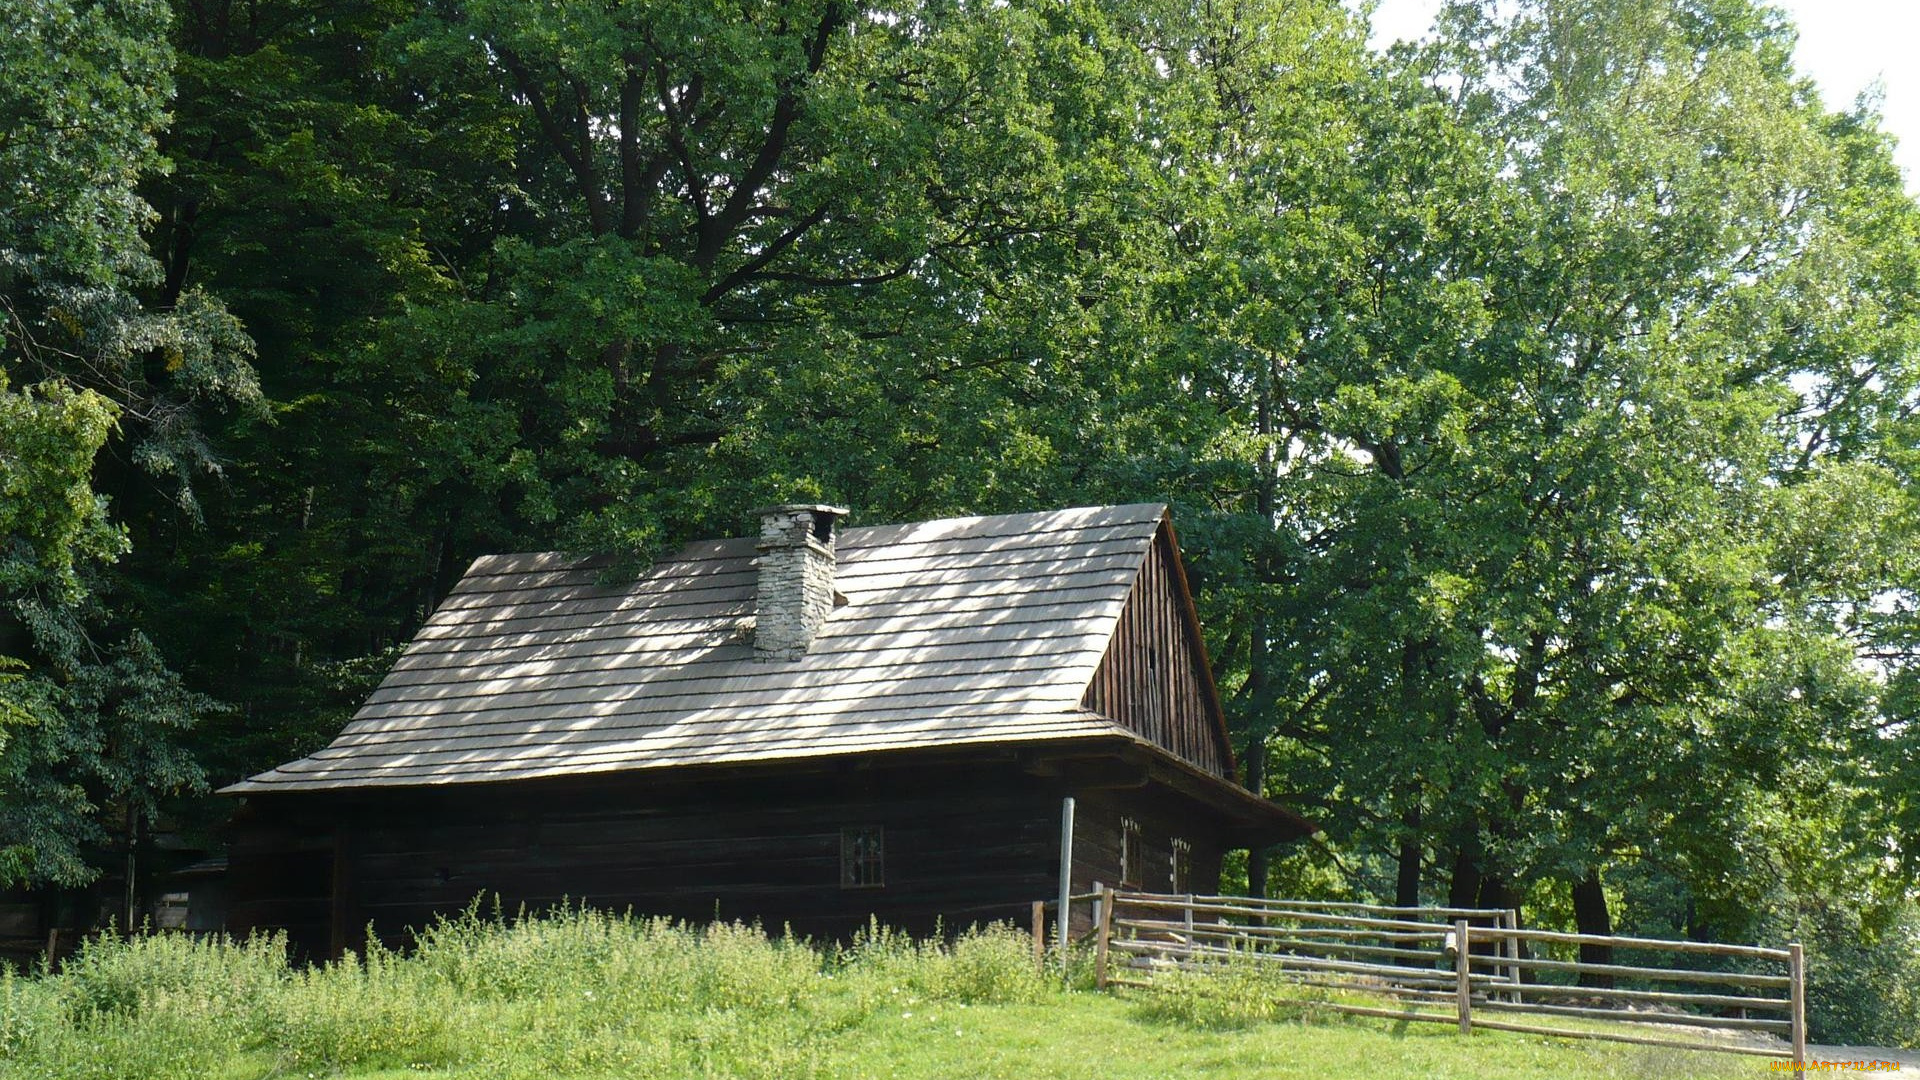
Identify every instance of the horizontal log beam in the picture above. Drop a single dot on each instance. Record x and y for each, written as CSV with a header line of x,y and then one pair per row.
x,y
1389,1014
1724,1023
1712,947
1677,975
1178,904
1431,956
1137,947
1279,934
1213,956
1331,905
1314,980
1608,1036
1730,1001
1351,1010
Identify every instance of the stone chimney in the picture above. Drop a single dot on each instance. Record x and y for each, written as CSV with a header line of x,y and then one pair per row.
x,y
795,590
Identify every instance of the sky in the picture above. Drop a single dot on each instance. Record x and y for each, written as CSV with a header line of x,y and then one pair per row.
x,y
1845,45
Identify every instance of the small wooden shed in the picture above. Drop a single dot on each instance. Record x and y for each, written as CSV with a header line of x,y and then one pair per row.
x,y
808,728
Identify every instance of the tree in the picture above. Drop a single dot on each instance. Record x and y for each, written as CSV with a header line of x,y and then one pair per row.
x,y
603,278
1519,376
97,711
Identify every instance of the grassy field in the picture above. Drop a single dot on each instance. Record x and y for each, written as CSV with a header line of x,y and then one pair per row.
x,y
581,995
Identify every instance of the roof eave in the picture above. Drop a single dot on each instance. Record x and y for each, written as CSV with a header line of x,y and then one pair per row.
x,y
1251,819
1256,821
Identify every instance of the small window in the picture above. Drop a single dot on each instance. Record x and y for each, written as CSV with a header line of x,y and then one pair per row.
x,y
862,857
1133,856
1182,866
170,913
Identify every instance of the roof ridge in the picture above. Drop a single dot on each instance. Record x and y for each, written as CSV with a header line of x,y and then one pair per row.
x,y
579,559
1142,512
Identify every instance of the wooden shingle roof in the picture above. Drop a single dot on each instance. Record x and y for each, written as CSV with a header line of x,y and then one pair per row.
x,y
962,631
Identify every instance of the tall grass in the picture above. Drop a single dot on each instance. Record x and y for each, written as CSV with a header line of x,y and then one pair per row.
x,y
1240,990
574,992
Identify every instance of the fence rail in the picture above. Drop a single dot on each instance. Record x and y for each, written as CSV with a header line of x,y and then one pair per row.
x,y
1464,966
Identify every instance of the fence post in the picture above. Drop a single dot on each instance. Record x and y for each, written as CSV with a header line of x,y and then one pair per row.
x,y
1106,932
1463,987
1511,947
1040,935
1797,962
1188,901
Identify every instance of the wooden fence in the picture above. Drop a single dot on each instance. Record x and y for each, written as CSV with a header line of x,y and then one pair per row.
x,y
1469,967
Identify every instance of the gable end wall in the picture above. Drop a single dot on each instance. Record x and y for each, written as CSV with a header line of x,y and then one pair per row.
x,y
1153,678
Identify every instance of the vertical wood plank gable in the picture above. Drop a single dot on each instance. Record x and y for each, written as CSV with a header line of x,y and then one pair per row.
x,y
1153,678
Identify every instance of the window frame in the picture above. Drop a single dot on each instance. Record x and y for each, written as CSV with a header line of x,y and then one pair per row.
x,y
1133,854
863,869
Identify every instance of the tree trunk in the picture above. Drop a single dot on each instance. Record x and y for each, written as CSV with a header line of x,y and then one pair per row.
x,y
1498,893
1256,762
130,905
1406,888
1590,917
1260,694
1464,890
1257,872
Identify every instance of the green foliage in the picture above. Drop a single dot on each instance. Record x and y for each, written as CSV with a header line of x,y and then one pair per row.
x,y
573,990
644,964
86,87
1528,547
52,524
86,364
144,1006
361,1011
1538,404
605,296
112,974
85,95
1229,995
1863,980
983,966
550,997
52,520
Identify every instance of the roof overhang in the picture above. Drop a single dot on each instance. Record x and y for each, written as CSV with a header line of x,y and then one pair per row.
x,y
1118,759
1252,821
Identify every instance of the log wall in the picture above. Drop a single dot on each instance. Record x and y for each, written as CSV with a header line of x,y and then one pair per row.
x,y
963,844
960,847
1099,825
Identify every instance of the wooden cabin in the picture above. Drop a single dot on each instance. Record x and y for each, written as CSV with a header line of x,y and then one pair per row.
x,y
807,728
